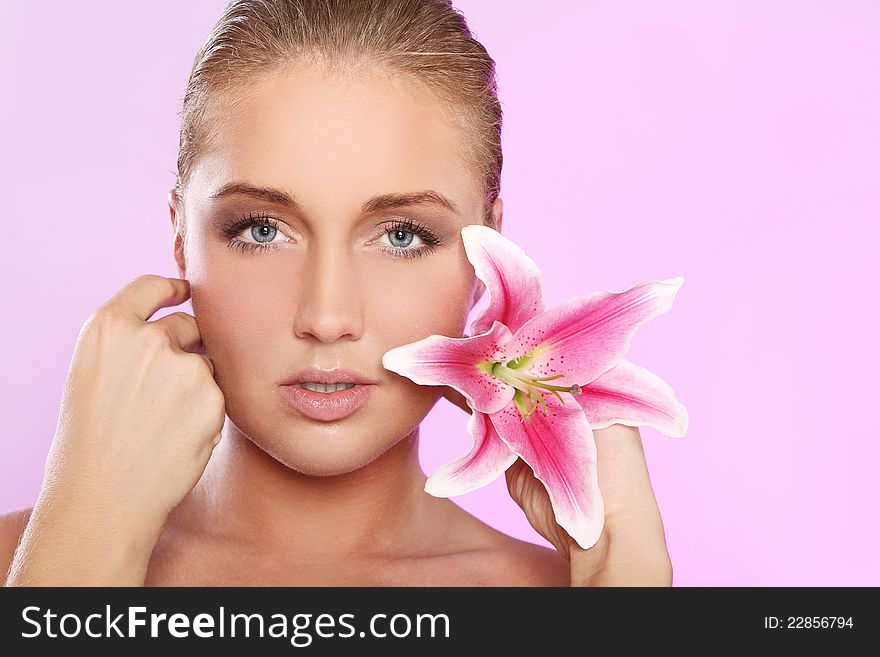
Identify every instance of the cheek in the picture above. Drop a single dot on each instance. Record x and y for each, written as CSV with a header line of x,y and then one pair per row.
x,y
420,299
240,309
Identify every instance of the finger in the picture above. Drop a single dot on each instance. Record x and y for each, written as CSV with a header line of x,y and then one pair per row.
x,y
457,398
143,296
620,446
210,364
184,330
632,516
623,471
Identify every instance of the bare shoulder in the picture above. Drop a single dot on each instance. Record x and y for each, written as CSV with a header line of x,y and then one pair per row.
x,y
12,525
513,562
485,556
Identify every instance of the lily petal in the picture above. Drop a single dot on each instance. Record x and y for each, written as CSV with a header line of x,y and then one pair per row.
x,y
587,336
488,458
513,280
561,450
439,360
635,396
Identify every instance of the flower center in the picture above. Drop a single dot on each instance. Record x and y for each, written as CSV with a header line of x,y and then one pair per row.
x,y
527,386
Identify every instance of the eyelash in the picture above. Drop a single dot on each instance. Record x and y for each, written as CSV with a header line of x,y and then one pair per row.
x,y
408,225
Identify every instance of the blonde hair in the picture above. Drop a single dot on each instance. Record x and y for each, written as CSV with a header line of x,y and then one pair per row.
x,y
426,42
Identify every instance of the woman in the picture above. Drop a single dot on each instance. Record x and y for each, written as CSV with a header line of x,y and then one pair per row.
x,y
330,153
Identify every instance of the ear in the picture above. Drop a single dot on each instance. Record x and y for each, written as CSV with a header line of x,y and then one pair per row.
x,y
497,217
175,210
497,212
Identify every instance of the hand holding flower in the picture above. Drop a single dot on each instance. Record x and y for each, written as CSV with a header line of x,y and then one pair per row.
x,y
544,390
637,555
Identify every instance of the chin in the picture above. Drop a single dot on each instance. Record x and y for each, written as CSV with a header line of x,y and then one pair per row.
x,y
325,449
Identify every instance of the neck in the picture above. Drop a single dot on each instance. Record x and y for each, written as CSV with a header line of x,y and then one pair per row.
x,y
247,496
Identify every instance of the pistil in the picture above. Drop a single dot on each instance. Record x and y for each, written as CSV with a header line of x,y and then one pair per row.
x,y
528,386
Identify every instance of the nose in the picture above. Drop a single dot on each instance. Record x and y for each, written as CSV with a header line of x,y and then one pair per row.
x,y
330,304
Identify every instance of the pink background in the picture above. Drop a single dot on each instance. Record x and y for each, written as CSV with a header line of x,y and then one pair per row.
x,y
735,143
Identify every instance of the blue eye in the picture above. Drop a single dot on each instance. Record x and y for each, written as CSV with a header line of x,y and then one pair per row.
x,y
263,230
263,233
401,234
398,235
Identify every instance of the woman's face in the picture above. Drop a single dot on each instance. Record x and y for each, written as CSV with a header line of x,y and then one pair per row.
x,y
327,281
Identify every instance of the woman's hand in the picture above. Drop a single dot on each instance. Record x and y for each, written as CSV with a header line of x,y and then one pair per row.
x,y
631,550
140,417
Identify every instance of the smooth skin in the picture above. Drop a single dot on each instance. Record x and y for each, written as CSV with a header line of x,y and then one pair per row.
x,y
110,485
174,461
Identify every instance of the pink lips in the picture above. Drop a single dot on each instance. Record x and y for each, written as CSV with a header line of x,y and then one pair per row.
x,y
319,375
326,406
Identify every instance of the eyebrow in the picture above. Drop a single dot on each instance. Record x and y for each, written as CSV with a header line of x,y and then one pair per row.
x,y
375,204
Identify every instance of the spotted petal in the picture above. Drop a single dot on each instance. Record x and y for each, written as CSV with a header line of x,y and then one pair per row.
x,y
635,396
587,336
489,457
561,450
439,360
513,280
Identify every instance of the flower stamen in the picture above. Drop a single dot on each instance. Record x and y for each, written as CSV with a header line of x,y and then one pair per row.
x,y
523,382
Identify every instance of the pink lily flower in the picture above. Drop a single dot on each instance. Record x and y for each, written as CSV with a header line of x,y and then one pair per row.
x,y
504,368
